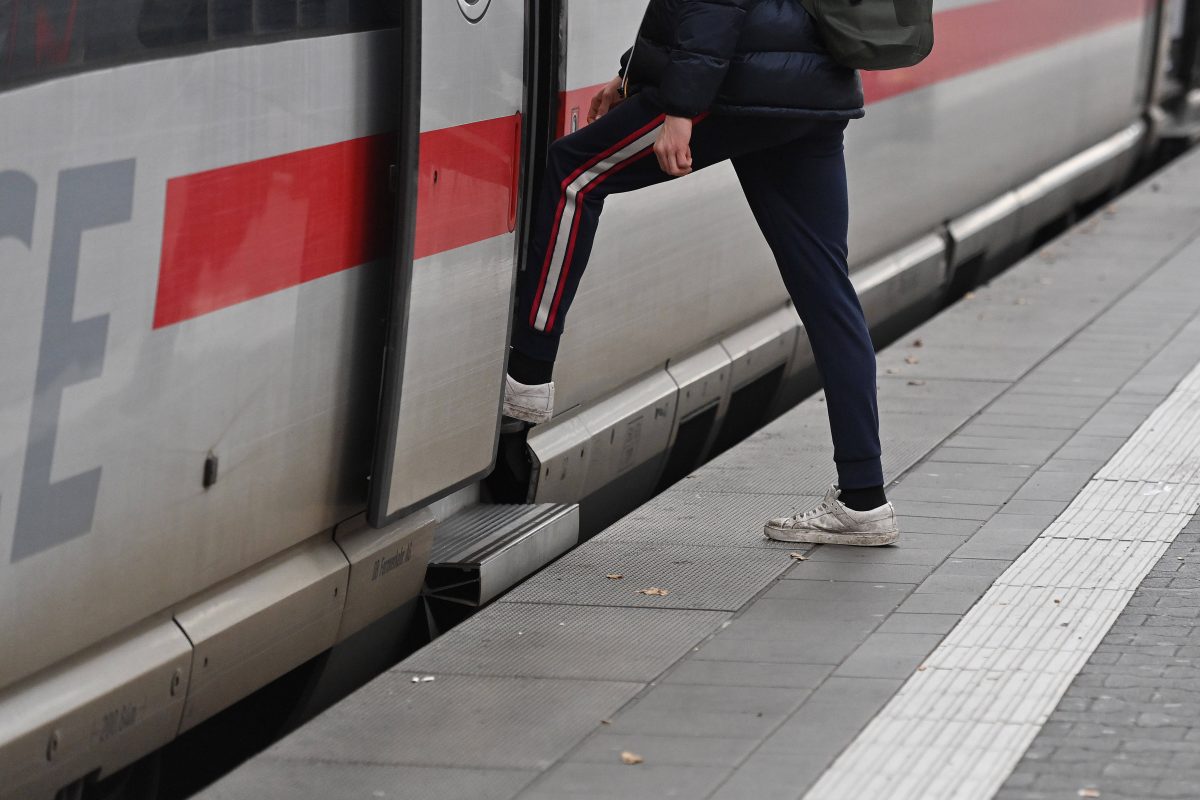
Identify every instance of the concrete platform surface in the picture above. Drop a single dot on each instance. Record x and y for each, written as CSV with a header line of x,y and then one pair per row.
x,y
1035,633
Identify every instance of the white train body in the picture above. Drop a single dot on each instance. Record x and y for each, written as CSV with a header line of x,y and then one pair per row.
x,y
192,329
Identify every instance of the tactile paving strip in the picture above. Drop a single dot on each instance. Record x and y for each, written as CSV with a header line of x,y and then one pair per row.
x,y
960,724
1127,728
1164,449
565,641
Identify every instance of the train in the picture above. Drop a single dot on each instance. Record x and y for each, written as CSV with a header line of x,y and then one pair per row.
x,y
257,261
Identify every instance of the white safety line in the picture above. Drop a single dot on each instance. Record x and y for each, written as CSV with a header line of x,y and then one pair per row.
x,y
960,724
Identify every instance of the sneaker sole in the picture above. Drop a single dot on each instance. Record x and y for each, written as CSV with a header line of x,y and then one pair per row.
x,y
526,413
823,537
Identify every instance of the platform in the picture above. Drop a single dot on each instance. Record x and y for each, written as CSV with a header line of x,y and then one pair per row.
x,y
1033,635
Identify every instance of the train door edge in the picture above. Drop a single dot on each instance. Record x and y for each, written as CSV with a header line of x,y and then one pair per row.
x,y
403,180
545,79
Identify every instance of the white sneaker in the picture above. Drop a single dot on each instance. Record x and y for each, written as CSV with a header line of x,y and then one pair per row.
x,y
832,522
529,403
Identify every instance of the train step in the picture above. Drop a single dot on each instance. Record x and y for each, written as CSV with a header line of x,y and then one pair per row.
x,y
485,549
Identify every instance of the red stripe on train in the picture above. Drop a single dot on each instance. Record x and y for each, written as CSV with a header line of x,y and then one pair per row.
x,y
240,232
467,184
973,37
244,231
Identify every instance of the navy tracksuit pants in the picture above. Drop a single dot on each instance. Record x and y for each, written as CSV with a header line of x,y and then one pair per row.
x,y
793,173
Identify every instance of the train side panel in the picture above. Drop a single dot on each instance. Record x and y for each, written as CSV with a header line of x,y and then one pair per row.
x,y
182,294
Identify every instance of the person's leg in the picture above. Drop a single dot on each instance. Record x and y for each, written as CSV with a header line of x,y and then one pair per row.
x,y
612,155
797,192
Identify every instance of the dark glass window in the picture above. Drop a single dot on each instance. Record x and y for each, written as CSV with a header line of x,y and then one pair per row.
x,y
41,39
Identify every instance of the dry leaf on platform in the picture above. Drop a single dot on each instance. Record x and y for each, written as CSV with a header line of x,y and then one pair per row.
x,y
918,343
912,360
631,758
916,383
799,556
654,591
1089,792
615,576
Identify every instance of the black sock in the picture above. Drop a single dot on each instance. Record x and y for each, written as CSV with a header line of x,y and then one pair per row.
x,y
529,370
863,499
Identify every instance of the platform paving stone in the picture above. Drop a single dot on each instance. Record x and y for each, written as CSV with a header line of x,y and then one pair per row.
x,y
783,643
933,550
947,602
991,497
281,779
696,577
888,655
682,515
919,623
614,781
941,510
791,759
859,571
465,721
746,673
535,640
1053,486
789,659
911,524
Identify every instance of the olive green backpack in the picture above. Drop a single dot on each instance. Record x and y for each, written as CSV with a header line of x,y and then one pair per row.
x,y
875,34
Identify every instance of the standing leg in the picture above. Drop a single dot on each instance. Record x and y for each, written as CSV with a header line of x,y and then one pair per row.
x,y
797,192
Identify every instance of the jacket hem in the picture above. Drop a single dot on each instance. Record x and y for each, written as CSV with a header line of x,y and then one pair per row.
x,y
799,113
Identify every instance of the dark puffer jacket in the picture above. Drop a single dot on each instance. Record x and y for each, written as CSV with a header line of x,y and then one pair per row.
x,y
759,57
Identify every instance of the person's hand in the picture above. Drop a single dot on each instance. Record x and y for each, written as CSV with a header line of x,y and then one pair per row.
x,y
608,96
674,146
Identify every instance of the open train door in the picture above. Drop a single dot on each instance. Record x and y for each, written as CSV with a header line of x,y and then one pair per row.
x,y
456,179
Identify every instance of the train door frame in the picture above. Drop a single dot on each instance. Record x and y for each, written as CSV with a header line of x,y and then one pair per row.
x,y
403,176
545,81
540,34
1187,68
545,78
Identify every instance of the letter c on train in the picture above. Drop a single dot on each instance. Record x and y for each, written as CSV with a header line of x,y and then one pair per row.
x,y
474,10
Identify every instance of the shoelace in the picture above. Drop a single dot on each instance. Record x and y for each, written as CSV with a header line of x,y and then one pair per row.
x,y
823,507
